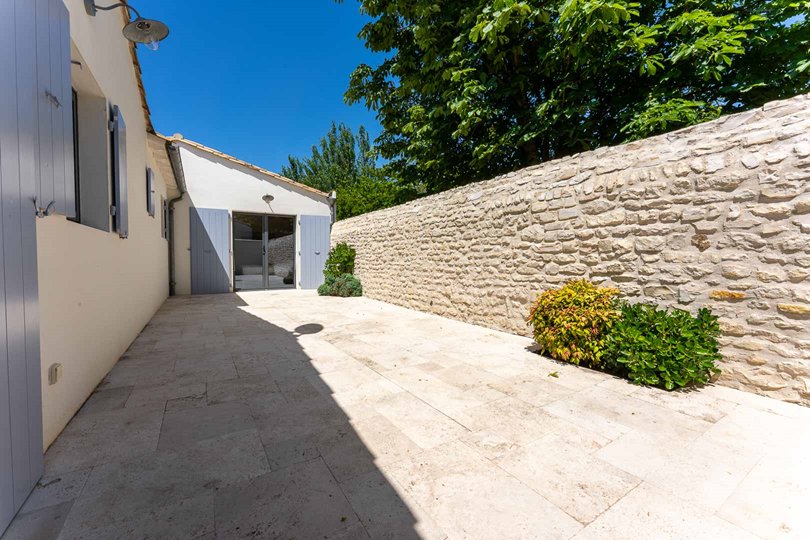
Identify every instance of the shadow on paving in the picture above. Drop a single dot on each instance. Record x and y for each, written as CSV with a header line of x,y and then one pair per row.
x,y
214,423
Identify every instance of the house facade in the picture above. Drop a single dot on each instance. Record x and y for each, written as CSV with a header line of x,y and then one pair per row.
x,y
102,219
239,227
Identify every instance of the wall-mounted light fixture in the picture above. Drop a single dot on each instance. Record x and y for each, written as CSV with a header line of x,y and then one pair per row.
x,y
268,198
332,198
146,31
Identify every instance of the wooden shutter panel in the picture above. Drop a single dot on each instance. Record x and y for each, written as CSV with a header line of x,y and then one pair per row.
x,y
24,24
55,174
315,232
209,230
119,151
164,217
150,192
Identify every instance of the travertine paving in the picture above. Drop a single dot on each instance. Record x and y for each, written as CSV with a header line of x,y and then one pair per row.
x,y
287,415
715,215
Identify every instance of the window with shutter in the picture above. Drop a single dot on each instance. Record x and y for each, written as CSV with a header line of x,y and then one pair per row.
x,y
91,136
150,192
119,209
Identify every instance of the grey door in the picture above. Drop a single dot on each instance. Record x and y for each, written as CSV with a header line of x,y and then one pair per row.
x,y
35,169
315,232
210,253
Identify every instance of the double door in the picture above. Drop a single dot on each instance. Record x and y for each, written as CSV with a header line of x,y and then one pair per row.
x,y
264,251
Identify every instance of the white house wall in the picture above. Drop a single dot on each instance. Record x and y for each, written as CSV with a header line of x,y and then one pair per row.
x,y
97,291
215,182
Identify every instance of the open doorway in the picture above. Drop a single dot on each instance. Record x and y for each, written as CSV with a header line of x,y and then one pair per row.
x,y
263,251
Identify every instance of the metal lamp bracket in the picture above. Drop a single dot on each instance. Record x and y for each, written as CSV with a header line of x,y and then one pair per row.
x,y
43,212
91,8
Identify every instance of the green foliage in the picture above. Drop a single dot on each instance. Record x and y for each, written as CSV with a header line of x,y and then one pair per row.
x,y
345,163
472,88
338,278
570,324
669,349
586,325
344,285
676,112
326,287
340,260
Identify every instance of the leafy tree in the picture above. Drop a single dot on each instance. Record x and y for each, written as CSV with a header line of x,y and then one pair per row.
x,y
473,88
344,162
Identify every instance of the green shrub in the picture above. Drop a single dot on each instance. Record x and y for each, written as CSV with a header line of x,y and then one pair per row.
x,y
344,285
326,286
570,323
669,349
340,260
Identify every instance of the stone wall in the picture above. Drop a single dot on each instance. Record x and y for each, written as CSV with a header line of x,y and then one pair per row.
x,y
714,215
281,255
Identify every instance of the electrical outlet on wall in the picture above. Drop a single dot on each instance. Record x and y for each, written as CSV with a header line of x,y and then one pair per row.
x,y
54,373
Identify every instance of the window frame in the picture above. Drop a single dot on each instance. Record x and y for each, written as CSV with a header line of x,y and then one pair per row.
x,y
77,191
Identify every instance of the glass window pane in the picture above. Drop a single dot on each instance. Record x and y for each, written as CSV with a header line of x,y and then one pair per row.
x,y
280,252
247,251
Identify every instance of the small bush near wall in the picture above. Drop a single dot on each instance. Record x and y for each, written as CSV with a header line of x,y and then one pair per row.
x,y
586,325
340,260
570,323
669,349
338,278
345,285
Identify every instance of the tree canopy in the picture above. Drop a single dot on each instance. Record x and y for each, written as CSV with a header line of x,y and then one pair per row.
x,y
473,88
344,162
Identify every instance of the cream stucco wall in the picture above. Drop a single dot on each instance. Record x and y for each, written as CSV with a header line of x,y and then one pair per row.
x,y
97,291
214,182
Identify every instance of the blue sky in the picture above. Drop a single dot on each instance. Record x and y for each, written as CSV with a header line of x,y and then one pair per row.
x,y
258,80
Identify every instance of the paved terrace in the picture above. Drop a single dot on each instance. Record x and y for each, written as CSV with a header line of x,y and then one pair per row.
x,y
286,415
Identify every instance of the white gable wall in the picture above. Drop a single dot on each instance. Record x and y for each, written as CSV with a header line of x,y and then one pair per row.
x,y
215,182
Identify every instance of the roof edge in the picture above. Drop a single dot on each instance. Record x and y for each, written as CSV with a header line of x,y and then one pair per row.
x,y
177,166
237,161
136,63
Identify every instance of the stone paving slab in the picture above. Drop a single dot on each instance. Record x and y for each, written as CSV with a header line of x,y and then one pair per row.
x,y
287,415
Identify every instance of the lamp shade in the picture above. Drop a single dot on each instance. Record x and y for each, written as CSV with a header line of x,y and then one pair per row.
x,y
146,31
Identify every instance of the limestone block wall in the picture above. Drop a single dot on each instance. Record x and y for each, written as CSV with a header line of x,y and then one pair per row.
x,y
281,254
714,215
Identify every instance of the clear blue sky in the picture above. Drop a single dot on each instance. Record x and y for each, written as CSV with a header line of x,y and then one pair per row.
x,y
256,79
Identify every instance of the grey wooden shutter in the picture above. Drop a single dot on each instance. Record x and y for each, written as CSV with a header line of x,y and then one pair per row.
x,y
27,27
55,175
120,210
315,231
164,217
210,250
150,192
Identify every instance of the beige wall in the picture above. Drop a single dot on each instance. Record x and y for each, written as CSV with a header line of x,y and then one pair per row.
x,y
97,291
715,215
214,182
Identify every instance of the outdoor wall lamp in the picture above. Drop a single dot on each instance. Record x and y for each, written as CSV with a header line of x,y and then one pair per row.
x,y
268,199
146,31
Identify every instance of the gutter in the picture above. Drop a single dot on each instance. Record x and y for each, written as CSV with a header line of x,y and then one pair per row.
x,y
332,198
177,168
